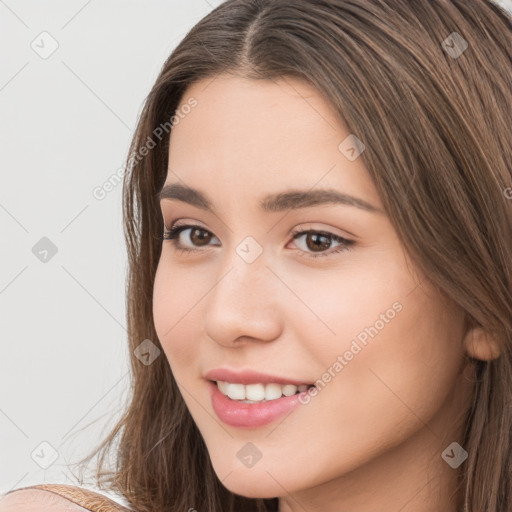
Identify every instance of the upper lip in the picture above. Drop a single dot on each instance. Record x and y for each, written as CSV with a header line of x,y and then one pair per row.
x,y
249,377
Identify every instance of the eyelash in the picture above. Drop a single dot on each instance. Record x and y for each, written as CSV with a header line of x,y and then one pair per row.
x,y
173,233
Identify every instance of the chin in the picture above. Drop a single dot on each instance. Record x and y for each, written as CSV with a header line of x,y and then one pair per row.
x,y
251,485
254,491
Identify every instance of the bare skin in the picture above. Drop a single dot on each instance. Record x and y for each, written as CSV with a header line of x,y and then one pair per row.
x,y
372,438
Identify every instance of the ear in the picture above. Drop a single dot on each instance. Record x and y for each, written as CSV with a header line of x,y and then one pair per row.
x,y
479,344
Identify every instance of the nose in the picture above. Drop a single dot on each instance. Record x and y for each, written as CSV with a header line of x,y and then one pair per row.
x,y
244,304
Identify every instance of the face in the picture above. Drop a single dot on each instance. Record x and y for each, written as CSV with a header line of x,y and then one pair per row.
x,y
339,305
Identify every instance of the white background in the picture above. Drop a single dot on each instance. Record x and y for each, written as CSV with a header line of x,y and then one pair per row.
x,y
66,122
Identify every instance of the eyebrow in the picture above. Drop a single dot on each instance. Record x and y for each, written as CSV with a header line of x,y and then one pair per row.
x,y
282,201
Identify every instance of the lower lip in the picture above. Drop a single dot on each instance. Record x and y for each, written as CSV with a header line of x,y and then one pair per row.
x,y
239,414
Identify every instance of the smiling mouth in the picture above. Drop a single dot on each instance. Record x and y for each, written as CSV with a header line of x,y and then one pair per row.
x,y
259,392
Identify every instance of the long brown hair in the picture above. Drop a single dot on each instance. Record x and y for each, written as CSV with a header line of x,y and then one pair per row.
x,y
426,85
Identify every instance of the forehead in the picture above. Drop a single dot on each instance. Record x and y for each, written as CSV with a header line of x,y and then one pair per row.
x,y
262,135
235,111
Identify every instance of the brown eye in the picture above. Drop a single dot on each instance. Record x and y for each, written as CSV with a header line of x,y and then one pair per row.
x,y
319,241
198,237
315,241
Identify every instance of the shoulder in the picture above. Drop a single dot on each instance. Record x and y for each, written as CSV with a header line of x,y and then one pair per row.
x,y
57,498
32,500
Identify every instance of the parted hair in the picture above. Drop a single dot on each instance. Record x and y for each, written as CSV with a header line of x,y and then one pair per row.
x,y
426,86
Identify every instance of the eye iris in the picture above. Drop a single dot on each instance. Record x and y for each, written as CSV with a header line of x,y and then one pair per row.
x,y
315,245
205,236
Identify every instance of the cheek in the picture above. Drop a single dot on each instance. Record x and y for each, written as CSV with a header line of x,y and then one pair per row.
x,y
175,306
402,372
377,342
357,301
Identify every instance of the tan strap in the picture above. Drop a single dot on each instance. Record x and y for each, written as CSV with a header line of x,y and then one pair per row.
x,y
86,498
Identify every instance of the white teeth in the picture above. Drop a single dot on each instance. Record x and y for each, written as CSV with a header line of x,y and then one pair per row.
x,y
255,392
236,391
252,393
272,391
223,386
289,390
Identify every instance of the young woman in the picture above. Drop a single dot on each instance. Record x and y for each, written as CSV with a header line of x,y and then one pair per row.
x,y
318,213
